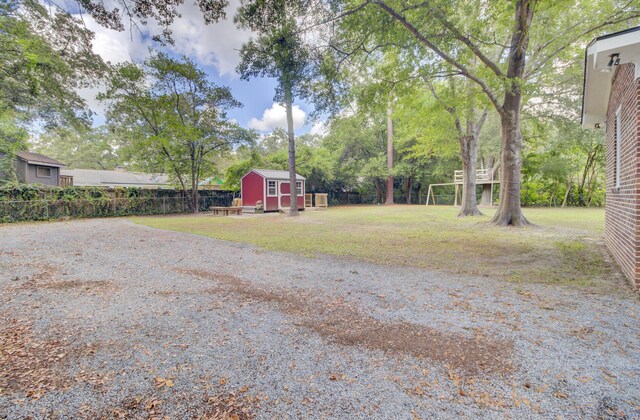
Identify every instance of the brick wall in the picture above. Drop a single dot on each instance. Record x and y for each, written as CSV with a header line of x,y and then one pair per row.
x,y
622,220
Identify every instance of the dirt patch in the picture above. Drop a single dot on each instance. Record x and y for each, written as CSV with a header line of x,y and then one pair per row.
x,y
342,322
47,278
9,253
36,365
98,285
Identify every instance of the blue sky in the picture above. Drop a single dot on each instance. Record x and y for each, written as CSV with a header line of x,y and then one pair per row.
x,y
216,50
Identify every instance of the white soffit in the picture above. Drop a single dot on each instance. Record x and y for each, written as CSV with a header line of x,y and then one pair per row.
x,y
598,74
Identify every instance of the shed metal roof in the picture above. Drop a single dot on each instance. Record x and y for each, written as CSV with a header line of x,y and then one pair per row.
x,y
276,174
37,158
96,178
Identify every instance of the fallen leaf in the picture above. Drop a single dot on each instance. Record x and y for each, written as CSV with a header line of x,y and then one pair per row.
x,y
561,395
160,382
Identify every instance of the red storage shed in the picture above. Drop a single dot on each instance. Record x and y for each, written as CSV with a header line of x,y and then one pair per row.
x,y
271,187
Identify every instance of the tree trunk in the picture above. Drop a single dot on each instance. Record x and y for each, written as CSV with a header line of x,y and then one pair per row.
x,y
389,199
409,189
509,211
194,201
566,194
293,206
378,191
469,149
194,192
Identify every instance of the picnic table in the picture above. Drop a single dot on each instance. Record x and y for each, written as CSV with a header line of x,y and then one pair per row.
x,y
226,210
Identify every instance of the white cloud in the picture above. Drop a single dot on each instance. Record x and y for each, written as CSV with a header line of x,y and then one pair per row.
x,y
319,128
117,47
216,44
276,117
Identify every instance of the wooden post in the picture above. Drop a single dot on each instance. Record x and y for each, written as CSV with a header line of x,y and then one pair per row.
x,y
455,199
491,201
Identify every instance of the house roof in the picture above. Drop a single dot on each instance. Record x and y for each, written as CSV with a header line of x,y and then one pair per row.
x,y
119,178
38,159
598,73
276,174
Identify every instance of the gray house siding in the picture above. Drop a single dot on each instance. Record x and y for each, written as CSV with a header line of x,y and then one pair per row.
x,y
21,171
33,177
28,174
34,168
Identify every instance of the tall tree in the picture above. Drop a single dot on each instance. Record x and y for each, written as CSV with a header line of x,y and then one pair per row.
x,y
498,35
173,117
390,180
95,148
44,58
468,126
279,52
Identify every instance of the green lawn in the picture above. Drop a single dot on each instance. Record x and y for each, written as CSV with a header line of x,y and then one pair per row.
x,y
563,247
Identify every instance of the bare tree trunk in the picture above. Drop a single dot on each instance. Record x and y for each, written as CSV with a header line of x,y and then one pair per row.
x,y
469,149
389,199
378,191
409,189
293,206
194,186
567,193
509,211
469,154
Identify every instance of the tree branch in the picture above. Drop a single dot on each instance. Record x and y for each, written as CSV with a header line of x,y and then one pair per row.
x,y
463,69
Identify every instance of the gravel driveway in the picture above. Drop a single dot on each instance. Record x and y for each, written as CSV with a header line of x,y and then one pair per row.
x,y
107,318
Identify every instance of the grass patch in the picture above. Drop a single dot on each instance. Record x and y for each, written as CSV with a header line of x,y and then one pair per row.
x,y
563,247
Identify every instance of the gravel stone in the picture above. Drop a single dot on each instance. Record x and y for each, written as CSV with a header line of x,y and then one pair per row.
x,y
107,307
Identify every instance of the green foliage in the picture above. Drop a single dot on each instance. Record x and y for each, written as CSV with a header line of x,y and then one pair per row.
x,y
19,202
279,51
95,148
172,119
44,58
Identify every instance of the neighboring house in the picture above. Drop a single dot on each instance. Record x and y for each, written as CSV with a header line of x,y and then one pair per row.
x,y
116,178
271,187
34,168
612,100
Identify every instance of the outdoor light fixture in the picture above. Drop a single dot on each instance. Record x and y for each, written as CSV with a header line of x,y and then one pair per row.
x,y
614,60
